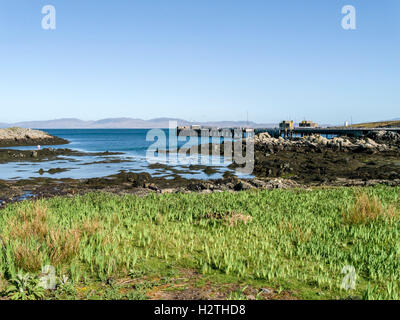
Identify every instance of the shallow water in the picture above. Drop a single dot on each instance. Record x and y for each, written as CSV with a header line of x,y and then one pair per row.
x,y
131,142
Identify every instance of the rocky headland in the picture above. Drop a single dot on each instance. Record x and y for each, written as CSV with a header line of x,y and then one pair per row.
x,y
13,137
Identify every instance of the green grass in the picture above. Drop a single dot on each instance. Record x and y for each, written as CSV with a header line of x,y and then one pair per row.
x,y
380,124
297,241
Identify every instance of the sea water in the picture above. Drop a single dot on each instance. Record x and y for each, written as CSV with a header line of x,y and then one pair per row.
x,y
132,143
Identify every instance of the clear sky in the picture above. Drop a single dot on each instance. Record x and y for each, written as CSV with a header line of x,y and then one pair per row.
x,y
200,60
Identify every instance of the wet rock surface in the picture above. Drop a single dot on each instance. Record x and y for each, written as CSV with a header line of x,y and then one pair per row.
x,y
327,167
318,161
46,154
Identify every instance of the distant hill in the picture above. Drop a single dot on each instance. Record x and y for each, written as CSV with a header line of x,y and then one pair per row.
x,y
127,123
58,123
379,124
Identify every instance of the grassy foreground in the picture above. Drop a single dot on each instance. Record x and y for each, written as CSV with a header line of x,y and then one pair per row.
x,y
259,244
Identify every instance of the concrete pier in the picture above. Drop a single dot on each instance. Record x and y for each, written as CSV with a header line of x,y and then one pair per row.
x,y
238,133
195,131
338,131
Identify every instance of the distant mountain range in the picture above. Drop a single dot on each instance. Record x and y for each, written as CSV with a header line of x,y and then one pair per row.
x,y
128,123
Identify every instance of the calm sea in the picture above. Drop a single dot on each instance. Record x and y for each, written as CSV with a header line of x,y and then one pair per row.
x,y
131,142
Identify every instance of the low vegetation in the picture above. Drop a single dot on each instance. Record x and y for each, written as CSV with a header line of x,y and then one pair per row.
x,y
256,244
381,124
367,209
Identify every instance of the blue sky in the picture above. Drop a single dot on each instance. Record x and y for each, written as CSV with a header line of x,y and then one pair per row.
x,y
200,60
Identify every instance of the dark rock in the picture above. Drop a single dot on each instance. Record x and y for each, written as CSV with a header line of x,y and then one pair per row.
x,y
243,185
197,186
151,186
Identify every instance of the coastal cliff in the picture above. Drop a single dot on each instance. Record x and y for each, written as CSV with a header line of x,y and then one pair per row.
x,y
13,137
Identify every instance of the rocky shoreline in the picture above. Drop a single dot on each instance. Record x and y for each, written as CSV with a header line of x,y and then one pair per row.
x,y
315,160
15,137
143,184
140,184
380,141
46,154
312,161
